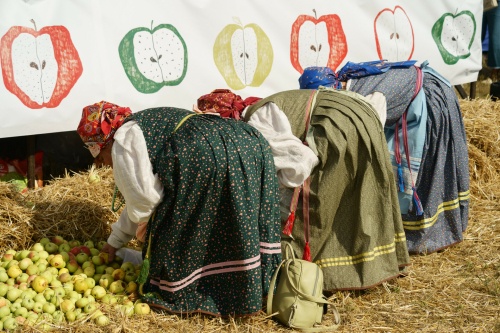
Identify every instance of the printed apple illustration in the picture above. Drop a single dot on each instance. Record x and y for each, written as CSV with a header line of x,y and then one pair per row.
x,y
39,67
317,42
394,35
243,55
454,35
154,58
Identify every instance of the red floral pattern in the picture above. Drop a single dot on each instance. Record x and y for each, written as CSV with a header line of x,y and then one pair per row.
x,y
225,103
99,123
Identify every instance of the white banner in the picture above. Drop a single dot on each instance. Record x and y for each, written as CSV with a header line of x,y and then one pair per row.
x,y
58,56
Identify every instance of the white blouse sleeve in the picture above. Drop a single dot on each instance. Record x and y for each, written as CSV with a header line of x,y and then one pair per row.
x,y
293,160
123,230
134,177
378,100
379,103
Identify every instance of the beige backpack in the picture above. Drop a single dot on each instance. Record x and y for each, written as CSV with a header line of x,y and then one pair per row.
x,y
299,301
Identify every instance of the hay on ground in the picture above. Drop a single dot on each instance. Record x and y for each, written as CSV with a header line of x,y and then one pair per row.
x,y
457,289
16,230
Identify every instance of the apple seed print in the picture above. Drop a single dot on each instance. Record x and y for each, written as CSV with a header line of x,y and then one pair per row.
x,y
317,42
154,58
454,35
243,55
394,35
40,67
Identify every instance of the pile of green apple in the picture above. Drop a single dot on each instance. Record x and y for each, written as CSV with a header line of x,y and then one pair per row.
x,y
57,281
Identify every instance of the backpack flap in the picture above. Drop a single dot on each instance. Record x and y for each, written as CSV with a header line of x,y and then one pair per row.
x,y
299,300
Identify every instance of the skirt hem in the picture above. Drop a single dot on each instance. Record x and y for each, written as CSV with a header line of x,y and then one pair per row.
x,y
203,312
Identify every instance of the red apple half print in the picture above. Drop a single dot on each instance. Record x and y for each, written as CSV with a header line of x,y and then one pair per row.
x,y
39,67
317,42
394,35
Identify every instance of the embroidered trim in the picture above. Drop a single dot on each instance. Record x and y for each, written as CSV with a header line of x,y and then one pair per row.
x,y
429,222
367,256
262,244
352,260
205,271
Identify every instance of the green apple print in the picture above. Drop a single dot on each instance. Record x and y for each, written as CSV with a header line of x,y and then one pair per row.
x,y
153,58
454,35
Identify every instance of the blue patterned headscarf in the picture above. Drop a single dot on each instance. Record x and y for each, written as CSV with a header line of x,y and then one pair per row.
x,y
313,77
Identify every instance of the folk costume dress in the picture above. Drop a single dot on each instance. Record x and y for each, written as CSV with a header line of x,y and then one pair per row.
x,y
355,232
214,226
441,169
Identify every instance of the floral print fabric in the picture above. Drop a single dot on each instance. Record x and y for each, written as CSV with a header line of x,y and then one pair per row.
x,y
99,123
216,235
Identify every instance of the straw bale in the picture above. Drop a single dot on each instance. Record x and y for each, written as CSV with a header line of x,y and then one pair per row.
x,y
16,229
75,208
457,289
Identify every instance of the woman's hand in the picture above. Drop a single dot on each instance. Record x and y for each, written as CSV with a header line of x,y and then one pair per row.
x,y
110,251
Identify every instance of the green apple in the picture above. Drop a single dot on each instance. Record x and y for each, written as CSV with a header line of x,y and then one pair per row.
x,y
141,308
10,324
454,35
243,55
49,308
153,58
4,311
38,247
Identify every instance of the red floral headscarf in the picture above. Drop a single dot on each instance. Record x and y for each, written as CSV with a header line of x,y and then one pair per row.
x,y
225,103
99,124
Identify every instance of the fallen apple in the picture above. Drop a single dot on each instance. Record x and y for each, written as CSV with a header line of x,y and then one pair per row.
x,y
14,271
10,324
73,243
31,278
7,257
58,262
4,311
101,320
85,250
101,244
34,256
64,248
98,292
243,55
141,309
75,251
81,258
49,308
43,255
94,178
70,316
394,35
25,263
3,290
89,244
154,58
13,294
38,307
51,248
131,287
454,35
38,247
317,42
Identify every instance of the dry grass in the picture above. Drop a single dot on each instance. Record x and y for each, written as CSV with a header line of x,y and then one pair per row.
x,y
455,290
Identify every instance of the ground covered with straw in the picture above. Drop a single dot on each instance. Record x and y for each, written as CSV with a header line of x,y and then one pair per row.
x,y
457,289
